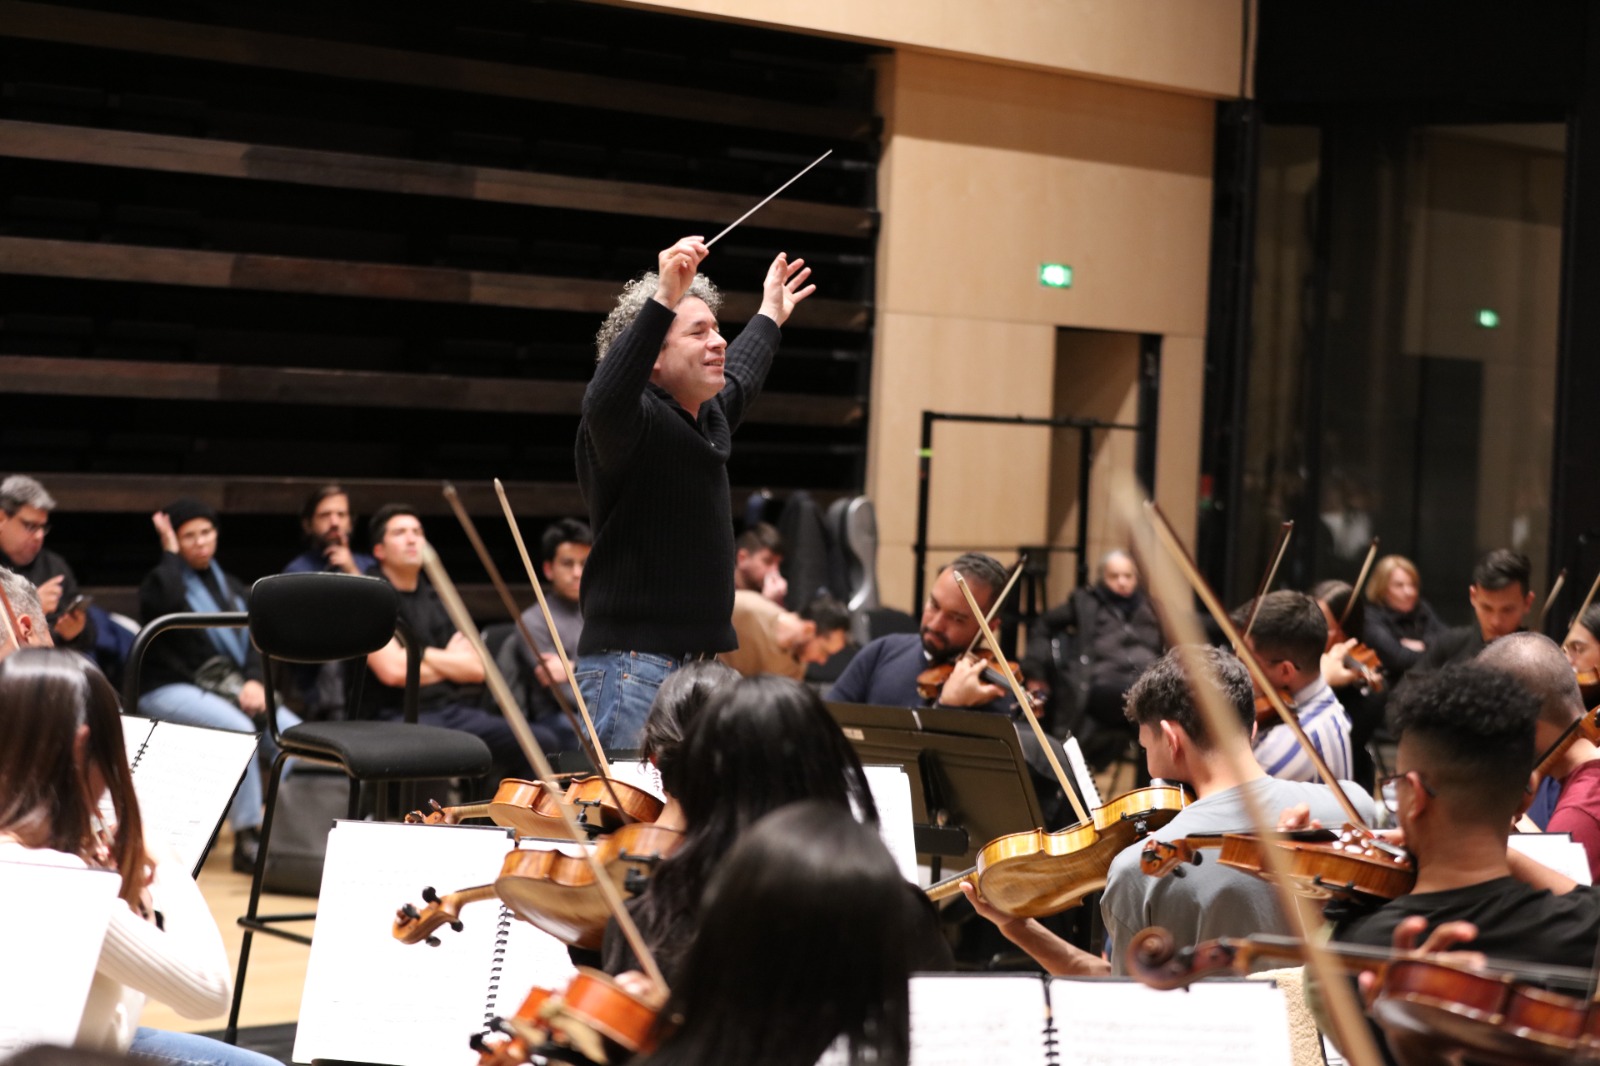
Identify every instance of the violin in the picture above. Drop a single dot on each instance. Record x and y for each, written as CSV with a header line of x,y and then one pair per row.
x,y
1427,1007
1350,865
1267,714
1035,873
931,681
550,889
532,809
1589,686
590,1012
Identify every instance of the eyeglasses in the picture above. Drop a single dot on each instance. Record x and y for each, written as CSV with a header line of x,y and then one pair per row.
x,y
33,529
1391,795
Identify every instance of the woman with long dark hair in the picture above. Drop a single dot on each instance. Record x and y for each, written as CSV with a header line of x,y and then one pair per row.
x,y
61,750
759,744
801,943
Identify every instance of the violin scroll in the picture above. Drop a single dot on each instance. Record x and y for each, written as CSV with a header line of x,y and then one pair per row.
x,y
413,926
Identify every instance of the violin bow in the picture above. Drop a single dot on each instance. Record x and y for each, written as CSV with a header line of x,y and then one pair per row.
x,y
1284,533
599,754
1181,557
1361,583
1549,600
530,747
1222,722
1011,583
1022,698
1577,619
595,756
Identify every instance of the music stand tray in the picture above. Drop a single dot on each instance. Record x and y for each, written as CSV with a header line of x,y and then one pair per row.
x,y
966,768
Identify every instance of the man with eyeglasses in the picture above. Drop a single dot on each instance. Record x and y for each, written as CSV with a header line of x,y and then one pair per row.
x,y
25,509
1464,761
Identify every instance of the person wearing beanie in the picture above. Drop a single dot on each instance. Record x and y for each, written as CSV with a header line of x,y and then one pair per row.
x,y
205,677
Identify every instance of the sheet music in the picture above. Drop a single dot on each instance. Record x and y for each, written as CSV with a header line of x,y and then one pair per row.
x,y
370,998
67,911
891,791
640,773
961,1019
1555,850
1081,773
185,778
1221,1023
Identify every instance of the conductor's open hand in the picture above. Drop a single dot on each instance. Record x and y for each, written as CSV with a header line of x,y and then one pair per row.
x,y
782,289
677,267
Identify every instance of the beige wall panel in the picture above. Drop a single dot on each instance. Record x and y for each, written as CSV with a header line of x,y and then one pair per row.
x,y
1097,376
1191,46
990,483
1178,429
995,171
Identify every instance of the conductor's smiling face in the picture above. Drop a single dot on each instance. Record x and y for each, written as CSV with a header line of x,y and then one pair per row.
x,y
690,365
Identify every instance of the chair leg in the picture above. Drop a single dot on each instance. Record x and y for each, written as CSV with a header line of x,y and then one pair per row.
x,y
231,1034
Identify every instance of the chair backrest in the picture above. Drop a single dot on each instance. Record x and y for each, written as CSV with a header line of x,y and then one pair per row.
x,y
319,618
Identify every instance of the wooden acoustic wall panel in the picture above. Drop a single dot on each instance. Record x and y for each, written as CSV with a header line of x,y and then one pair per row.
x,y
344,170
330,277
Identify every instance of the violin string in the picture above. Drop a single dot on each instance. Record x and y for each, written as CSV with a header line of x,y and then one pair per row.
x,y
530,746
471,530
1022,700
1361,583
597,752
1284,533
1160,554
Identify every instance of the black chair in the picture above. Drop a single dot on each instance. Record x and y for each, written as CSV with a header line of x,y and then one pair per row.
x,y
318,618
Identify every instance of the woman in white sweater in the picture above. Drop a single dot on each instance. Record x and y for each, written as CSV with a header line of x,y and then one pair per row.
x,y
60,751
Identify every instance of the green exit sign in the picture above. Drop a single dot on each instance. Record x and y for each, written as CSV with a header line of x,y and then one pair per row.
x,y
1055,275
1488,319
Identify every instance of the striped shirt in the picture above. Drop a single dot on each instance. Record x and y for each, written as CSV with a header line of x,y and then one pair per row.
x,y
1325,725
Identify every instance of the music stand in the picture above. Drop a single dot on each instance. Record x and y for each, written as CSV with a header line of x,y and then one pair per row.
x,y
969,780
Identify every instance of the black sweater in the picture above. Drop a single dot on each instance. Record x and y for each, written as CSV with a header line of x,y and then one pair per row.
x,y
660,576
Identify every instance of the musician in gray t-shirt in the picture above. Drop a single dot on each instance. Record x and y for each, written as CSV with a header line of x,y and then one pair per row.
x,y
1208,900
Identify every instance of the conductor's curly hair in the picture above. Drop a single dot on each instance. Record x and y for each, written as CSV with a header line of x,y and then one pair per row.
x,y
632,299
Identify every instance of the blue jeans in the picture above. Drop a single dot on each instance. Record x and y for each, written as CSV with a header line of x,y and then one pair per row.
x,y
192,1049
192,705
618,688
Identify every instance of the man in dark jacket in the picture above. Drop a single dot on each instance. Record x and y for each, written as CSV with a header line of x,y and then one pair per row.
x,y
1088,651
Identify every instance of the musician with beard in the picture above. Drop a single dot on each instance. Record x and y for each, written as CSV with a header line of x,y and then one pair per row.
x,y
885,672
327,521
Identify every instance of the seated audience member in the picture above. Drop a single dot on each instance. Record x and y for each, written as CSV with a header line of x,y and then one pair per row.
x,y
206,677
25,509
1466,749
757,555
1096,645
326,521
1209,900
1360,692
759,744
1400,625
449,663
1289,637
60,751
804,942
776,641
31,632
1534,660
564,549
1500,595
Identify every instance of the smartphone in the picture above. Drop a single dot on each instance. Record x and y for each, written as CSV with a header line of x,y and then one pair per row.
x,y
79,602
